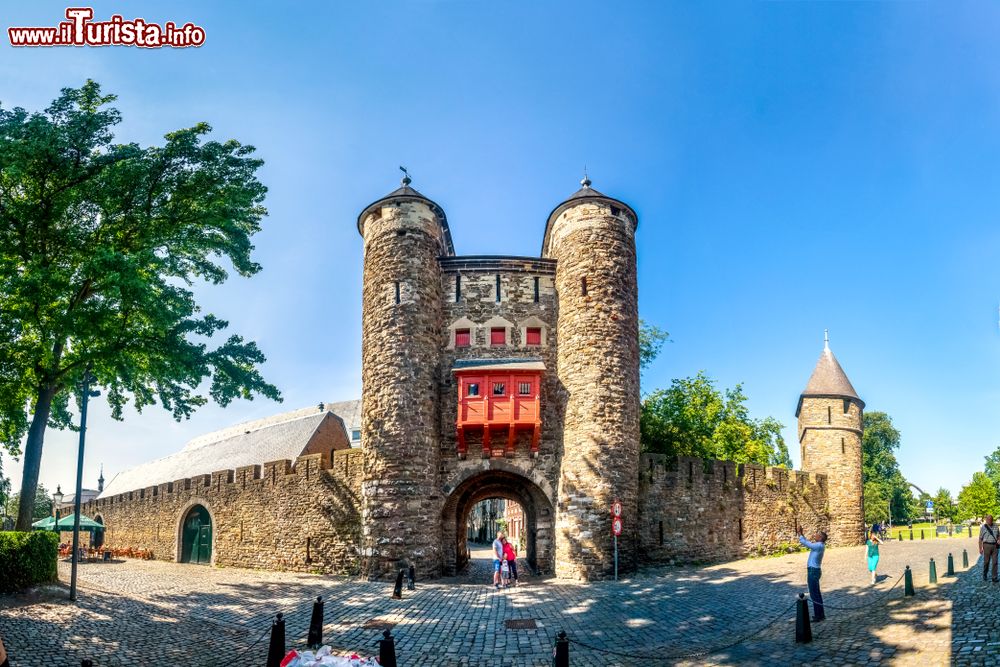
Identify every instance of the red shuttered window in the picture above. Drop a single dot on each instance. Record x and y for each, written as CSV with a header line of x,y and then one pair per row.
x,y
463,338
498,336
534,336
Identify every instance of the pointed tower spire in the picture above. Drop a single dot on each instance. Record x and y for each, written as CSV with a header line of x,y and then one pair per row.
x,y
826,339
100,480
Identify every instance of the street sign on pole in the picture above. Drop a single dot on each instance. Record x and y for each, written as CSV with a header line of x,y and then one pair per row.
x,y
616,508
616,528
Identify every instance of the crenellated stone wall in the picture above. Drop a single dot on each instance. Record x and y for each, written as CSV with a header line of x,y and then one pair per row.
x,y
691,510
278,516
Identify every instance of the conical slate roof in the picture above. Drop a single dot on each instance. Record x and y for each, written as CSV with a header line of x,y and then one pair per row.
x,y
583,194
406,193
829,380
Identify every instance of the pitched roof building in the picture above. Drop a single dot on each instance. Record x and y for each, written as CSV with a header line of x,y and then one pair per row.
x,y
315,430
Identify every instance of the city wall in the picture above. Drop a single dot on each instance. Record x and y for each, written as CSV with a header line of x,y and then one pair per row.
x,y
279,516
691,510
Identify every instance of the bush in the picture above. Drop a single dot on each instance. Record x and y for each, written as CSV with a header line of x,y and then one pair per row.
x,y
27,559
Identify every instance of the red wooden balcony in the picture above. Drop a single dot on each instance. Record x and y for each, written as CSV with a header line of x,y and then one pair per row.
x,y
499,399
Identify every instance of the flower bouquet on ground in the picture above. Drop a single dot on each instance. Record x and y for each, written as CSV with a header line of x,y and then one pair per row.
x,y
324,658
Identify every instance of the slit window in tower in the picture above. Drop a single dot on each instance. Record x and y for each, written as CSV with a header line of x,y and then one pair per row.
x,y
843,447
498,288
661,533
498,336
536,289
397,291
583,286
829,415
847,406
463,337
533,336
458,288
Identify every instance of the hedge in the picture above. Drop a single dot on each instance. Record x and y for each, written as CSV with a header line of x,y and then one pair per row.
x,y
27,559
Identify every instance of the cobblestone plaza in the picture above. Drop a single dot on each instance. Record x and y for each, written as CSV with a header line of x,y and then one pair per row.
x,y
155,613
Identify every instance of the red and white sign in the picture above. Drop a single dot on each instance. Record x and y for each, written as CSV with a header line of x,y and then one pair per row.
x,y
616,526
616,508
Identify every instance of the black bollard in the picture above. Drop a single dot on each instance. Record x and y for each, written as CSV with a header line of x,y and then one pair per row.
x,y
907,582
803,628
965,558
276,649
970,531
411,583
397,592
921,533
387,649
951,567
933,574
911,534
560,654
316,624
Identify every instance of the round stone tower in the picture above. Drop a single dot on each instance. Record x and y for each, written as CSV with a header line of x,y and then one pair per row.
x,y
831,424
592,237
404,235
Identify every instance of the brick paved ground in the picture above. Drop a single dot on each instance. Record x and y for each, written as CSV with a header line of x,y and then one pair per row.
x,y
153,613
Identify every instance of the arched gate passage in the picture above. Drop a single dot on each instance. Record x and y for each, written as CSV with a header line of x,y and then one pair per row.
x,y
538,517
196,536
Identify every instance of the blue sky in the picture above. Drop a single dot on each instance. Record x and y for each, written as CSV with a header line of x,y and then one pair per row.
x,y
795,167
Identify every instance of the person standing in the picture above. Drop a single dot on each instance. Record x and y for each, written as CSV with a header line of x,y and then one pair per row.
x,y
817,547
873,542
497,558
510,554
988,546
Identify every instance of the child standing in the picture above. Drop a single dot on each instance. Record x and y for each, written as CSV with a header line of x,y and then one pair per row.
x,y
873,542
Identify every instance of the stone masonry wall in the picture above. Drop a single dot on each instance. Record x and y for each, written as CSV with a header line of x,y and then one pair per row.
x,y
399,382
598,359
277,516
692,510
830,431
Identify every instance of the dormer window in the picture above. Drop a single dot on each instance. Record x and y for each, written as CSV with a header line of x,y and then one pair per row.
x,y
463,337
533,336
498,336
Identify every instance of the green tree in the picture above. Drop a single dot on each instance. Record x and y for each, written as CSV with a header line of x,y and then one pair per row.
x,y
944,506
880,468
651,340
42,507
978,498
693,418
992,468
876,503
99,244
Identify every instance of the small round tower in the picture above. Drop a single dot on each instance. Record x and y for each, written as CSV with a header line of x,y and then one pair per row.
x,y
592,237
831,425
404,235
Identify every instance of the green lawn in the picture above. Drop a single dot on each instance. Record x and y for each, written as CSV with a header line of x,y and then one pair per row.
x,y
930,532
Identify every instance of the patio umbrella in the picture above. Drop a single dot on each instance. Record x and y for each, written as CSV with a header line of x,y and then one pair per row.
x,y
86,523
48,523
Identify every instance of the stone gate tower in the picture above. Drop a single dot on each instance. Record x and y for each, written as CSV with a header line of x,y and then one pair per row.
x,y
831,423
592,238
404,235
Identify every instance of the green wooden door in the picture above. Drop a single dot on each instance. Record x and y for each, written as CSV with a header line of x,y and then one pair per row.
x,y
196,537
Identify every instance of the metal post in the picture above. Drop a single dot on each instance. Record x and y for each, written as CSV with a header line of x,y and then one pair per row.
x,y
907,582
411,583
397,591
560,654
911,534
965,558
933,574
387,649
616,558
951,567
803,628
86,394
276,648
315,639
921,533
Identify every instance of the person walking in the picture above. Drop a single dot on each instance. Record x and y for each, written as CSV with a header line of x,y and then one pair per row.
x,y
873,542
497,558
510,554
988,546
817,547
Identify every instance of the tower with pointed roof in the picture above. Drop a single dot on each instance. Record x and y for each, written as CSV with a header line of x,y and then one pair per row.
x,y
405,234
592,238
831,425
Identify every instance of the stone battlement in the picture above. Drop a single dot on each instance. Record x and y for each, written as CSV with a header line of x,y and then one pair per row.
x,y
690,470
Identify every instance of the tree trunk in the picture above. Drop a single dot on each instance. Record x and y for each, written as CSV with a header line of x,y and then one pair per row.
x,y
33,457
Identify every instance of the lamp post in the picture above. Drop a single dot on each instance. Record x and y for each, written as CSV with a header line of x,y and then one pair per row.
x,y
57,499
86,393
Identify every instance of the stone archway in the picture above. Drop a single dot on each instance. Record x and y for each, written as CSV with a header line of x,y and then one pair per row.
x,y
98,533
539,516
196,536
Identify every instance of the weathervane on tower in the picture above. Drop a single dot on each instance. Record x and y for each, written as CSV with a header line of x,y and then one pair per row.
x,y
406,176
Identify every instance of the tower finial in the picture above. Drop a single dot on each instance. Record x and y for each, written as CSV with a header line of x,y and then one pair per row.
x,y
586,179
406,177
826,339
100,480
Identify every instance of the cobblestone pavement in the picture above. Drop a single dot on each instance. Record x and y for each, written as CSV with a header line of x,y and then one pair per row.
x,y
154,613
